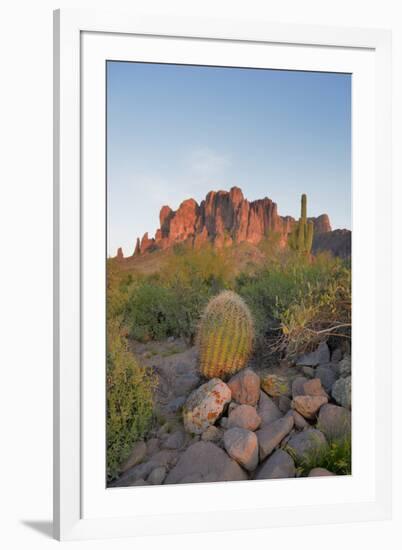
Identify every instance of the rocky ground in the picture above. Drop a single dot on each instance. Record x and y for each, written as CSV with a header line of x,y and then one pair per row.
x,y
256,425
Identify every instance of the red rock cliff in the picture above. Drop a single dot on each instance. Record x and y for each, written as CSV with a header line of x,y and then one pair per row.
x,y
223,218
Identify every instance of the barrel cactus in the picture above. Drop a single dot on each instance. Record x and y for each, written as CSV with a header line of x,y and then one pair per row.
x,y
225,336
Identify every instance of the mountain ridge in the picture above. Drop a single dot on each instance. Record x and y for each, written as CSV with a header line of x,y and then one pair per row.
x,y
223,218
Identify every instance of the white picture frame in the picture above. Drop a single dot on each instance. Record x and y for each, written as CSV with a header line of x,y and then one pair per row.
x,y
83,507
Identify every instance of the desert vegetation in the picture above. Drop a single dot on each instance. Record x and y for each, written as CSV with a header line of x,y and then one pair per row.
x,y
279,313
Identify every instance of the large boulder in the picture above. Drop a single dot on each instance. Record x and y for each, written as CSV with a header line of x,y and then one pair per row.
x,y
320,356
342,391
245,387
203,462
205,405
308,405
271,435
309,441
244,416
242,446
279,465
267,410
334,421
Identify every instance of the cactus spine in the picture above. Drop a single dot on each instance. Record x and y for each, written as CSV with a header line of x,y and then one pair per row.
x,y
301,238
225,336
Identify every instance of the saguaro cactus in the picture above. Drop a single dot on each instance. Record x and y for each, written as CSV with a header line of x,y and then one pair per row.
x,y
225,336
301,238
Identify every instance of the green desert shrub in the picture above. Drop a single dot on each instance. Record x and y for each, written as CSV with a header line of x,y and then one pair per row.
x,y
193,276
118,283
320,310
336,457
150,312
225,336
170,302
129,399
298,303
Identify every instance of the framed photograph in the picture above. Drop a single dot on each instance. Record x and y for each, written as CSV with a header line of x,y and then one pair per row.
x,y
222,275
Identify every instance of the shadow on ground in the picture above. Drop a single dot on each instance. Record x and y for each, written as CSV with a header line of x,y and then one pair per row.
x,y
43,527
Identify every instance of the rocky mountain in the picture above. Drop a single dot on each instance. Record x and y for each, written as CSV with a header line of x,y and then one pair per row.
x,y
223,218
339,242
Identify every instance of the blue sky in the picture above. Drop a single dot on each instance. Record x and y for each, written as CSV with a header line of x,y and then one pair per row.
x,y
175,132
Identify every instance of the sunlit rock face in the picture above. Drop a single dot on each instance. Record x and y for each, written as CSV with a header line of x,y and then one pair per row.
x,y
223,218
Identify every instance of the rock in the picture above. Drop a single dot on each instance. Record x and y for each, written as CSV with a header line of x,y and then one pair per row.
x,y
345,366
317,357
327,375
309,372
176,404
298,386
300,422
244,416
342,392
204,462
321,224
137,249
336,355
137,455
153,446
278,466
306,442
175,440
242,446
320,472
271,435
334,421
141,471
313,387
157,476
245,387
166,457
267,410
205,405
275,385
232,406
308,405
212,433
284,403
163,430
338,242
223,218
